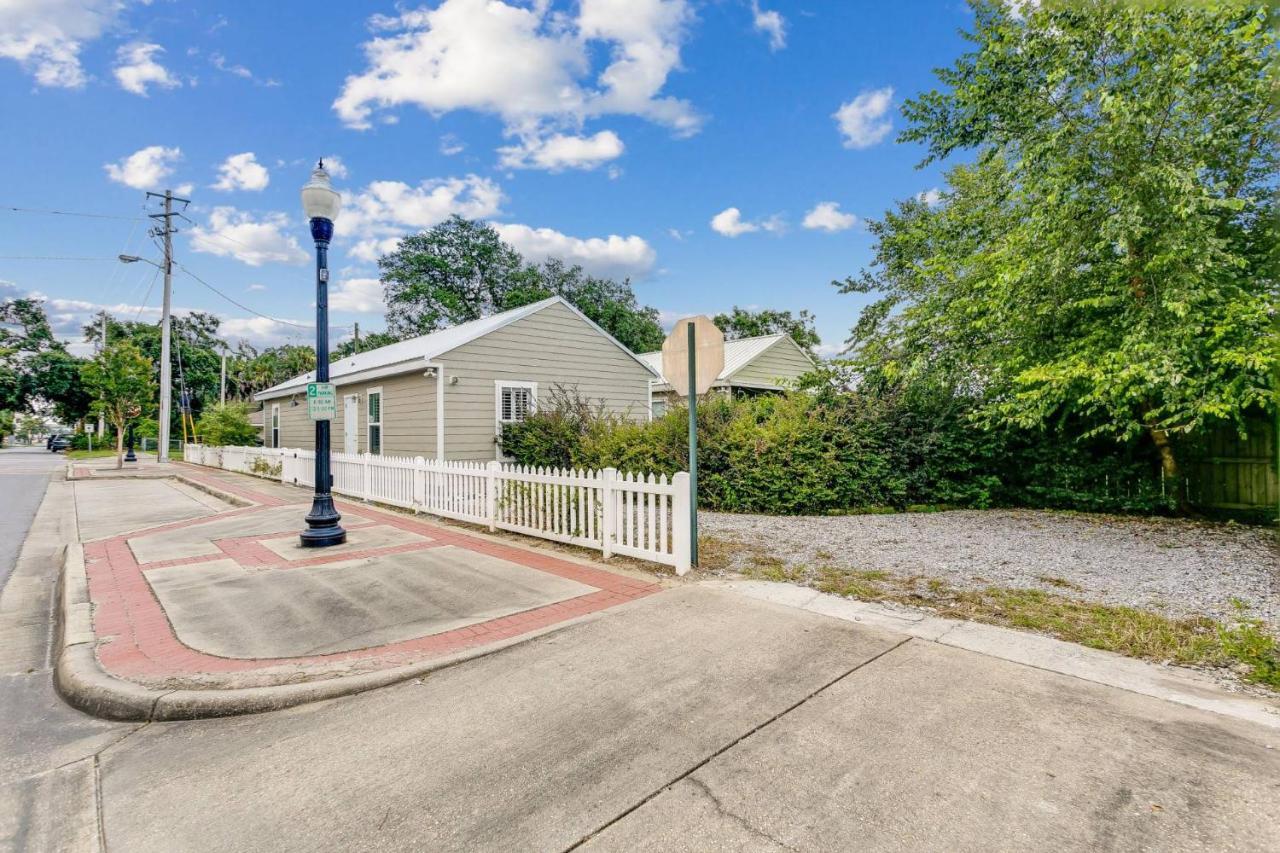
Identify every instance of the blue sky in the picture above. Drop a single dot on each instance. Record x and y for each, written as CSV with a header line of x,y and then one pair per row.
x,y
718,153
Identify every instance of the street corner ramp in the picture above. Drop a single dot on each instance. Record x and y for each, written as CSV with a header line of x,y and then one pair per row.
x,y
534,748
943,749
221,608
111,507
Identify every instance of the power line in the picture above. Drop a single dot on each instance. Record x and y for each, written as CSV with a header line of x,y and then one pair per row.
x,y
240,305
49,258
11,209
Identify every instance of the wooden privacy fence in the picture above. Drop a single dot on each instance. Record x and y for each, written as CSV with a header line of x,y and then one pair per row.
x,y
629,514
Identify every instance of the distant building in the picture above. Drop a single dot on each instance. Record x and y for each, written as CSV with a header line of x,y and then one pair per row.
x,y
769,363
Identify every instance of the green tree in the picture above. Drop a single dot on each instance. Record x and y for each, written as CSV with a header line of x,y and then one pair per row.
x,y
371,340
6,424
252,371
1108,257
120,379
459,270
227,425
742,323
609,304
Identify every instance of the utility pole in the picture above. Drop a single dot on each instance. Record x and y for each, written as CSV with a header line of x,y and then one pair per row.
x,y
102,347
357,337
222,384
166,370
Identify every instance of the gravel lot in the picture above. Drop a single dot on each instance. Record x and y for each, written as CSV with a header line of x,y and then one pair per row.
x,y
1171,566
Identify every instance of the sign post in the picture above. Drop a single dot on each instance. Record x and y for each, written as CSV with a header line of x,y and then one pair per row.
x,y
692,360
322,401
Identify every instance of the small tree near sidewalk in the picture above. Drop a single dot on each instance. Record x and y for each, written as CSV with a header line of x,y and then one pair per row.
x,y
120,379
227,425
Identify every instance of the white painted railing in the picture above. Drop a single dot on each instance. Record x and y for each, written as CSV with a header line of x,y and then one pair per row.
x,y
637,516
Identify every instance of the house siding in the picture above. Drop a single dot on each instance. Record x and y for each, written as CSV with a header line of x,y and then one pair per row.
x,y
553,346
780,365
408,417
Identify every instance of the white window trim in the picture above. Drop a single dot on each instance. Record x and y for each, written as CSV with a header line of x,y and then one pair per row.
x,y
273,427
380,423
498,385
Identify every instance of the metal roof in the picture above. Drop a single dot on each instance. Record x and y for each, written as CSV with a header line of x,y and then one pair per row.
x,y
737,355
407,355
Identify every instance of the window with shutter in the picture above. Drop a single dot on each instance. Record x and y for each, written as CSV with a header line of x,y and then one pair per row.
x,y
374,419
513,402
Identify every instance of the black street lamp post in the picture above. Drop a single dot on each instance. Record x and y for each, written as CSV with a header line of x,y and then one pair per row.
x,y
130,456
320,204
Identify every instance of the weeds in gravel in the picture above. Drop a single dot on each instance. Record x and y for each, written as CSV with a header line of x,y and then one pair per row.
x,y
1197,640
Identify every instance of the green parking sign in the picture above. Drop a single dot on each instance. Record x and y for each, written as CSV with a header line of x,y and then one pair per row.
x,y
322,401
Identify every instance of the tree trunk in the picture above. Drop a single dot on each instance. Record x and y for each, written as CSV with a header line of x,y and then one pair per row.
x,y
1169,467
119,447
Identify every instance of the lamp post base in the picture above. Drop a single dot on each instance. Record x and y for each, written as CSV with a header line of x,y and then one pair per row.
x,y
323,529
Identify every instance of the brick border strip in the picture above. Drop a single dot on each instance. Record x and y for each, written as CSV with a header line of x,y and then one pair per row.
x,y
84,684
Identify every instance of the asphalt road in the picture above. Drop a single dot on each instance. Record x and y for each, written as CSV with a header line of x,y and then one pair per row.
x,y
24,472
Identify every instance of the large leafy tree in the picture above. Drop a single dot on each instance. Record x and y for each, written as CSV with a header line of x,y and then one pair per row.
x,y
1108,256
743,323
461,270
35,368
121,380
609,304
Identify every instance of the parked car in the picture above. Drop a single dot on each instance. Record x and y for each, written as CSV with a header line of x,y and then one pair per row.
x,y
61,441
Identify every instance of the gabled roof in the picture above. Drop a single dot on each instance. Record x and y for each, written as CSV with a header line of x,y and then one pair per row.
x,y
407,355
737,354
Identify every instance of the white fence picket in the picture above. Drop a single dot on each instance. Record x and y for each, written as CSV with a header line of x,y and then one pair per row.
x,y
632,514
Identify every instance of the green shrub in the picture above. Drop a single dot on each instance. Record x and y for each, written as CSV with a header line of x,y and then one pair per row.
x,y
837,452
227,425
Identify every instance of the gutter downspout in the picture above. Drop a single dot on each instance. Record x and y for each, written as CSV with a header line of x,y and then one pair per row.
x,y
439,369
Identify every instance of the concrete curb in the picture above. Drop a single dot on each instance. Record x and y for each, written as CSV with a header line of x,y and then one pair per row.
x,y
80,679
1034,650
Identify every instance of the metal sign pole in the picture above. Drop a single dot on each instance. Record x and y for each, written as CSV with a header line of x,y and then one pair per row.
x,y
693,449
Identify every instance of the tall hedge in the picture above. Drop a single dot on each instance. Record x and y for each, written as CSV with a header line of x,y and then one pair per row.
x,y
806,453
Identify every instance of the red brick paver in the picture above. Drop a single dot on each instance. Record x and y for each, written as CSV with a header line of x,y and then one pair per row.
x,y
139,641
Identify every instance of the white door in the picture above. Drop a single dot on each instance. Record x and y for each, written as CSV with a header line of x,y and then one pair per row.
x,y
351,424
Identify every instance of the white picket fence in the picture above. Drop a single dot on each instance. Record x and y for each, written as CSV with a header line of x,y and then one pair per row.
x,y
637,516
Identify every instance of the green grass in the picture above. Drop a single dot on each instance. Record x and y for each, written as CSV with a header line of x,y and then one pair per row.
x,y
1245,645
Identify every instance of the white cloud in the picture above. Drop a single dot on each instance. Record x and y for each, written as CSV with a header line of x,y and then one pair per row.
x,y
861,121
255,287
930,197
770,23
613,256
729,222
221,63
266,332
236,234
442,59
450,145
46,36
335,166
560,151
242,172
136,68
144,169
385,211
358,295
827,216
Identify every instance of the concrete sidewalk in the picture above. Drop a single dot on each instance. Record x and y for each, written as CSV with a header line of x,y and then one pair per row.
x,y
699,718
220,610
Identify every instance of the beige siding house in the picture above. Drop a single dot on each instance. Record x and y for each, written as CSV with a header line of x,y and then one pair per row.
x,y
765,363
445,395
